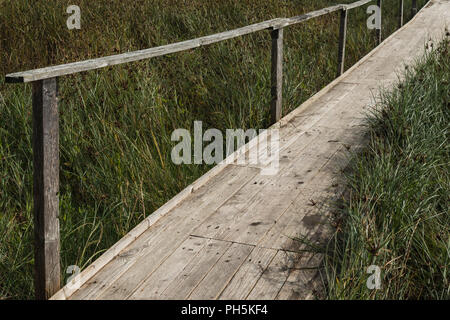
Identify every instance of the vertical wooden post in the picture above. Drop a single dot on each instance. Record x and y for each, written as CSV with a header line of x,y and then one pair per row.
x,y
277,74
400,18
414,8
378,33
46,187
342,41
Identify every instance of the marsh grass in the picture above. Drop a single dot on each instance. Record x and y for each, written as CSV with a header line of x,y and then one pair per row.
x,y
116,122
397,214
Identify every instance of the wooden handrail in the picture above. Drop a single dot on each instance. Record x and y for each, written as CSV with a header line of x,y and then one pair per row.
x,y
46,131
97,63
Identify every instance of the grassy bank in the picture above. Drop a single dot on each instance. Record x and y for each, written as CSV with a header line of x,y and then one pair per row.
x,y
116,123
397,216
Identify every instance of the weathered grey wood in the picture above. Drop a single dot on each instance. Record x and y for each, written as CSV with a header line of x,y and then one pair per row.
x,y
92,64
46,187
221,274
414,8
342,41
186,282
284,22
273,278
181,223
277,75
159,280
303,283
400,14
379,30
356,4
248,275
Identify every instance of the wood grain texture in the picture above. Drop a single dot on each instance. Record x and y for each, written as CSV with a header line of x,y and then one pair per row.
x,y
356,4
248,274
46,187
401,13
191,276
220,275
274,277
342,41
277,75
157,244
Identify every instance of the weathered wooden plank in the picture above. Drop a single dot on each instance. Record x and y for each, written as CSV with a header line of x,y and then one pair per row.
x,y
312,223
304,280
186,282
218,277
274,277
46,187
356,4
284,22
342,41
261,214
167,234
278,237
252,211
183,221
277,74
249,273
299,132
159,280
92,64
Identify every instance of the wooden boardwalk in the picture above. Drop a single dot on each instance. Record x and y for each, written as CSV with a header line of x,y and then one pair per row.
x,y
230,234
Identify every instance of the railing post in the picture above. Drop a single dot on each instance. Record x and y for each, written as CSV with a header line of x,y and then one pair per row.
x,y
400,18
414,8
277,74
378,33
342,41
46,187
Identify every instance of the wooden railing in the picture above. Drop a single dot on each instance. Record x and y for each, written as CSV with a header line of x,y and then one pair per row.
x,y
45,138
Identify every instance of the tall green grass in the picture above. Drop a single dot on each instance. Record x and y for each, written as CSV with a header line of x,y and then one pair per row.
x,y
397,215
116,122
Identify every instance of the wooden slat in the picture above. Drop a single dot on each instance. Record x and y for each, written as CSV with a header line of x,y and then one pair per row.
x,y
274,277
263,213
251,270
304,281
279,236
220,275
186,282
154,243
153,287
46,187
